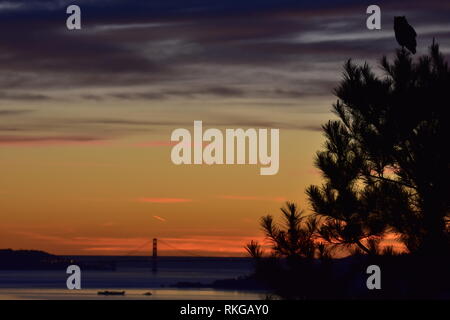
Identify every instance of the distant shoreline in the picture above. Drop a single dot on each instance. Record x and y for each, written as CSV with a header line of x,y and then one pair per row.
x,y
40,260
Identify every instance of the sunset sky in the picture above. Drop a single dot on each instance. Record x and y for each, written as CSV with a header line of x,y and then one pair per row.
x,y
86,115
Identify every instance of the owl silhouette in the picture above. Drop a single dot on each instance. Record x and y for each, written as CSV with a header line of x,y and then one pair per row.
x,y
405,34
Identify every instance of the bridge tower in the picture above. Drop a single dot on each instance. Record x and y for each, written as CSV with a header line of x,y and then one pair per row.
x,y
155,256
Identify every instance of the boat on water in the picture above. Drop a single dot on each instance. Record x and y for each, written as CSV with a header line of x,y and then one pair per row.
x,y
111,293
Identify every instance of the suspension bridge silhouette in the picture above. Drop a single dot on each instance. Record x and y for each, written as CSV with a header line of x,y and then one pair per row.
x,y
154,256
155,243
150,257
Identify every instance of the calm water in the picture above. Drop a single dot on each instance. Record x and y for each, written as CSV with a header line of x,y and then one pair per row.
x,y
131,294
135,276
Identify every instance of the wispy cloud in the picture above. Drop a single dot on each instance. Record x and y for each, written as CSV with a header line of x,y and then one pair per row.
x,y
14,112
273,54
208,44
49,140
23,96
159,218
9,5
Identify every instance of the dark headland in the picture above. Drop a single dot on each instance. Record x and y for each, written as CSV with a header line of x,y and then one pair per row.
x,y
41,260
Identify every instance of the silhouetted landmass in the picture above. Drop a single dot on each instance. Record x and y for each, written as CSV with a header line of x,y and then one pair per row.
x,y
402,277
40,260
30,260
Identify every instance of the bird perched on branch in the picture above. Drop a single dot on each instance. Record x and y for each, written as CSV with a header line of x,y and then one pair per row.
x,y
405,34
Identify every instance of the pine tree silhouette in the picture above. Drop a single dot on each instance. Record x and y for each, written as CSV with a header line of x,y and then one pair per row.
x,y
385,161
